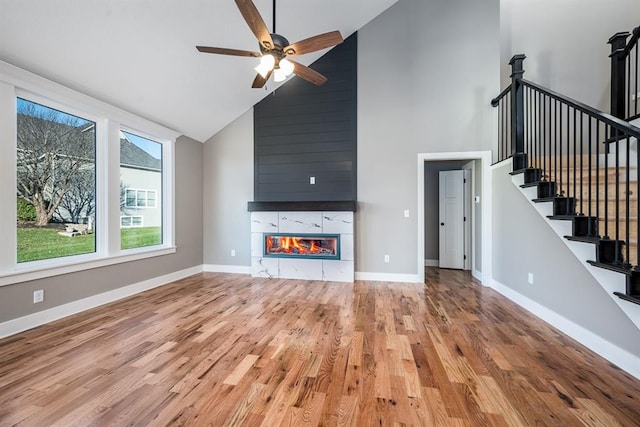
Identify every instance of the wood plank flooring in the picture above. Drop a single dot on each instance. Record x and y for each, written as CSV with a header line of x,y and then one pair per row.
x,y
230,350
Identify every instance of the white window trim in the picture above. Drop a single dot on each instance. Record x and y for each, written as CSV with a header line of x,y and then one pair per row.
x,y
15,82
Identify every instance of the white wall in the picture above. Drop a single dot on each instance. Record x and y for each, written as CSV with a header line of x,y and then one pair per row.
x,y
227,187
426,73
565,43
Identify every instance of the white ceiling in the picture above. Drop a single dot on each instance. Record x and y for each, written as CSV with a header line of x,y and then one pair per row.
x,y
140,55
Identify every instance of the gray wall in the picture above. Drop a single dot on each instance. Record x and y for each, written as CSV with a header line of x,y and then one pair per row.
x,y
16,300
228,186
440,68
565,43
430,94
523,243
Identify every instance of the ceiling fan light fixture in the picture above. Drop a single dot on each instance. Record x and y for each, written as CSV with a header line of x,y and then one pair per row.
x,y
266,65
279,75
286,66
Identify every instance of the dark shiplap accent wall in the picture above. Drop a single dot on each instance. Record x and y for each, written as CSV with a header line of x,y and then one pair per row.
x,y
303,130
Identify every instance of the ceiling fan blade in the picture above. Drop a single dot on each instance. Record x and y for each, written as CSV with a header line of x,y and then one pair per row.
x,y
225,51
255,22
260,81
308,74
321,41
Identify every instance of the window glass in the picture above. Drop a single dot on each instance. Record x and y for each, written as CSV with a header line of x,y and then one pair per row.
x,y
56,183
141,187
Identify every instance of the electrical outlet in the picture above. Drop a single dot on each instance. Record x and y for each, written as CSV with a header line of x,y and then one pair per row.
x,y
233,252
312,180
406,213
530,279
386,258
38,296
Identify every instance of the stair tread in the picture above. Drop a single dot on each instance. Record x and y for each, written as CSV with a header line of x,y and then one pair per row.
x,y
517,172
584,239
562,217
543,200
619,268
631,298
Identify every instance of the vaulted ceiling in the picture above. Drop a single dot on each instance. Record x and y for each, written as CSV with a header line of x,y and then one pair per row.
x,y
140,55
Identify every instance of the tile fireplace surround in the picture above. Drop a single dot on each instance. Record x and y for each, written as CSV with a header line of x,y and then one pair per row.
x,y
308,223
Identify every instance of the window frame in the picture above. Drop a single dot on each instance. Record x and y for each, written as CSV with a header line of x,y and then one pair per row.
x,y
17,83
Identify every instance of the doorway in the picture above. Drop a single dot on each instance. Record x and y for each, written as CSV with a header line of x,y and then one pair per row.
x,y
478,164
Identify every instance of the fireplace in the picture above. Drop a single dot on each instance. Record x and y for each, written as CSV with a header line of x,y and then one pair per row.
x,y
301,245
326,235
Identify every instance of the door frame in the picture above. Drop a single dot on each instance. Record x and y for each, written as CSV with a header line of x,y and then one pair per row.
x,y
485,206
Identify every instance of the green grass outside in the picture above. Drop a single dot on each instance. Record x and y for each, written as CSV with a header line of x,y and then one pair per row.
x,y
44,243
140,237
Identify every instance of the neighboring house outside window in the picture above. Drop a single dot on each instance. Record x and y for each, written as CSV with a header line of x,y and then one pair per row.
x,y
141,186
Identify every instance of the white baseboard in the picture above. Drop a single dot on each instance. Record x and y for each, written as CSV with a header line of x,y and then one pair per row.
x,y
217,268
431,262
616,355
478,276
30,321
387,277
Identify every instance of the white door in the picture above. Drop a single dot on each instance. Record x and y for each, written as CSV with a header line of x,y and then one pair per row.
x,y
451,197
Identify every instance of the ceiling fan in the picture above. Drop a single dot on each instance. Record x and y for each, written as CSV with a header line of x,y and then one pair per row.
x,y
275,50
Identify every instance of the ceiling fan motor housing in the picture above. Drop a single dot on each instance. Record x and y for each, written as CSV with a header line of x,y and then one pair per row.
x,y
280,42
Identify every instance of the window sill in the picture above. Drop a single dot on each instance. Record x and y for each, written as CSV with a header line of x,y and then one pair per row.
x,y
39,272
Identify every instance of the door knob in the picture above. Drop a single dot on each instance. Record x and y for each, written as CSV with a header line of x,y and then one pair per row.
x,y
442,223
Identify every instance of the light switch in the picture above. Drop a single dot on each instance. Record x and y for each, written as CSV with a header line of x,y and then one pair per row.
x,y
406,213
312,180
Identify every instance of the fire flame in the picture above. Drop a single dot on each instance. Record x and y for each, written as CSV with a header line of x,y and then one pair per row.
x,y
291,245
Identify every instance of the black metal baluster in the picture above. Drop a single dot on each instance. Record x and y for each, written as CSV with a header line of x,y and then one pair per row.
x,y
575,162
549,156
606,179
559,145
626,203
589,199
628,86
617,202
637,206
582,163
555,146
538,138
597,144
636,85
544,138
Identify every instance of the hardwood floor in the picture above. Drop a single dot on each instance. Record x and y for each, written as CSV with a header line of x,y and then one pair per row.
x,y
225,350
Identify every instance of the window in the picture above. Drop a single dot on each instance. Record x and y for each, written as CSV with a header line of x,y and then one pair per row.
x,y
61,167
131,221
140,198
56,183
141,191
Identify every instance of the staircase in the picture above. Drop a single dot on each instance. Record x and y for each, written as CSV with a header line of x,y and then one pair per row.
x,y
579,168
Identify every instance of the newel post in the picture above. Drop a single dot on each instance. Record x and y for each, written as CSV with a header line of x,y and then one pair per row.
x,y
517,112
618,43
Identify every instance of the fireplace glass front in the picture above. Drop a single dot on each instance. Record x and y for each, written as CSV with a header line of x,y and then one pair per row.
x,y
313,246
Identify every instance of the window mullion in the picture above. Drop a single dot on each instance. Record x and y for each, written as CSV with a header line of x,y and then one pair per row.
x,y
112,194
8,182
